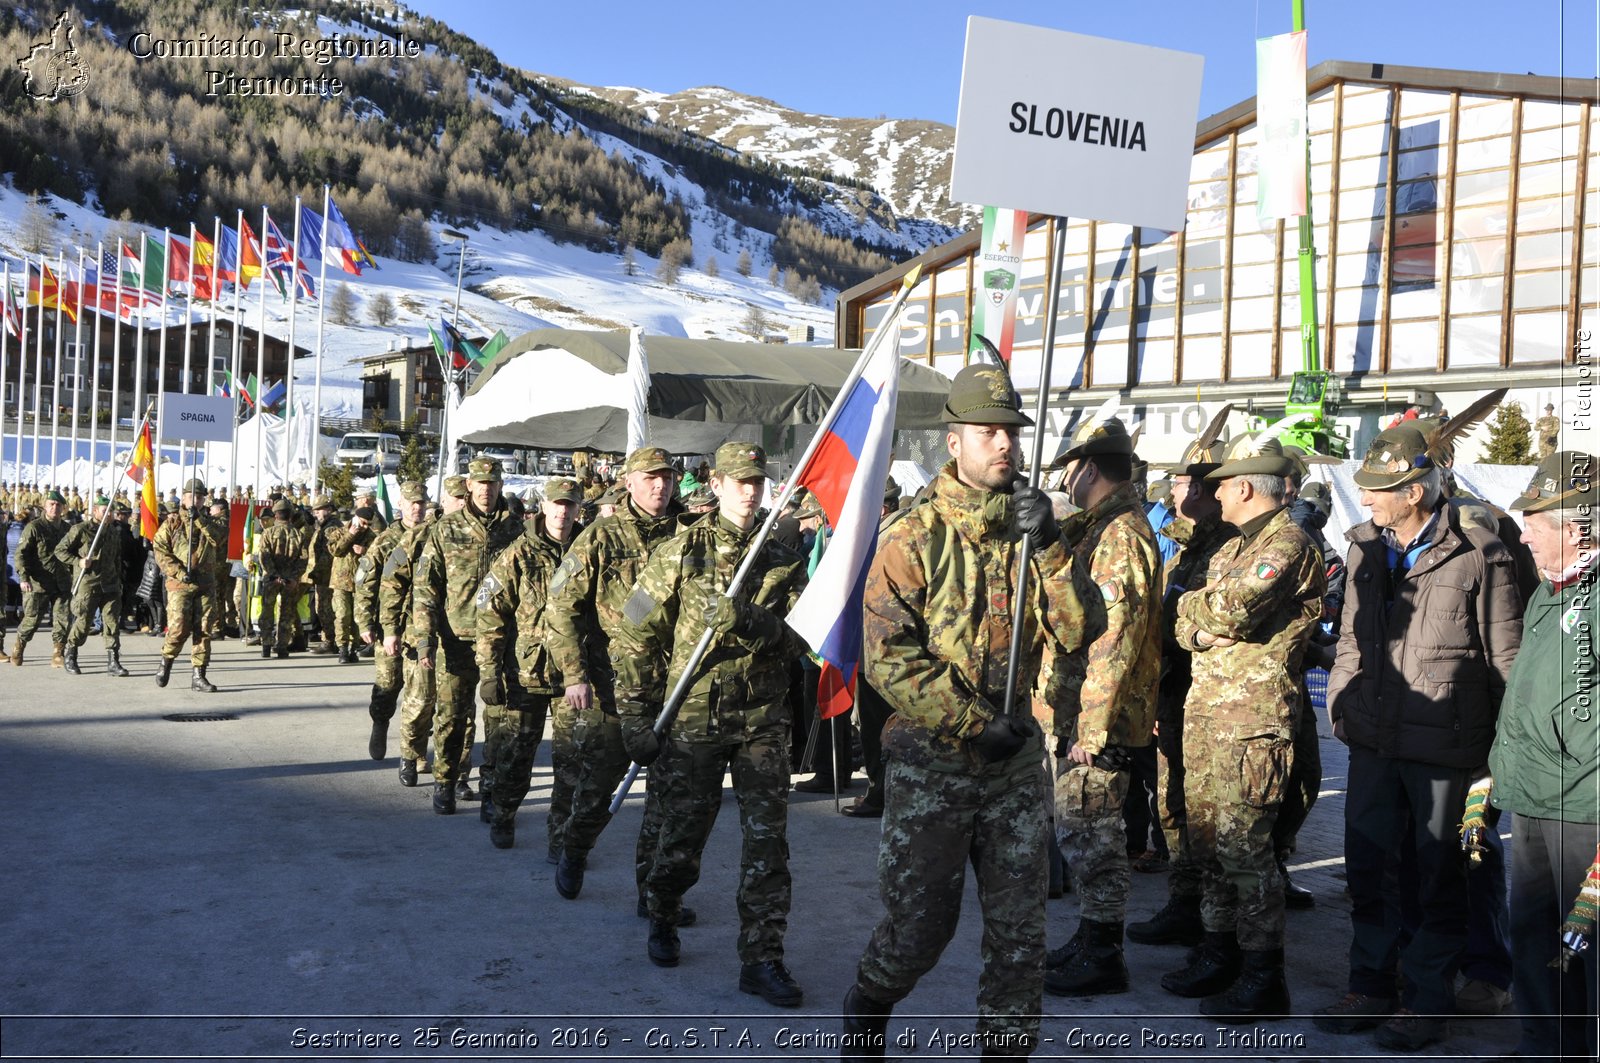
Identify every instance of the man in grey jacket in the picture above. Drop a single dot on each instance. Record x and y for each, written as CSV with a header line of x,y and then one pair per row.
x,y
1431,624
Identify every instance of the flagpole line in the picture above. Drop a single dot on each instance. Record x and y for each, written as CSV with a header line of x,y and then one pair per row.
x,y
107,514
94,365
77,364
185,448
670,710
261,365
235,355
161,359
211,333
55,374
21,310
38,373
316,388
1019,593
5,365
116,371
294,308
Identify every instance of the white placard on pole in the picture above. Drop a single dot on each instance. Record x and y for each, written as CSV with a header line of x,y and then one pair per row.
x,y
1060,123
196,418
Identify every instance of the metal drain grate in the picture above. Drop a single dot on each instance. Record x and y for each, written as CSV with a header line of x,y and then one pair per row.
x,y
199,717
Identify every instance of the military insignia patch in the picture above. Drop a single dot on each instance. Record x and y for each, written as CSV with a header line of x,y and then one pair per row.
x,y
487,590
569,565
1266,570
363,570
1110,591
396,557
639,606
1569,620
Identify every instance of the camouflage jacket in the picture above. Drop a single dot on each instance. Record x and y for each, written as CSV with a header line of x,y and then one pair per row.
x,y
284,551
511,604
398,576
323,548
343,542
455,557
36,553
369,567
105,563
1263,590
1197,544
741,684
592,585
188,546
938,624
1104,693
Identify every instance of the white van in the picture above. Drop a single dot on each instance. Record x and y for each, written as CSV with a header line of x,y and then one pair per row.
x,y
370,452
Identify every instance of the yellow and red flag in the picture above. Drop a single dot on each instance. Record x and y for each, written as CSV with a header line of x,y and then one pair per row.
x,y
45,291
142,471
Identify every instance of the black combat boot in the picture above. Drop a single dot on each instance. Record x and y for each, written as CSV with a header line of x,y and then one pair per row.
x,y
1297,897
569,874
686,916
266,651
380,708
1097,967
408,772
865,1020
1058,956
444,799
70,661
1213,967
503,832
114,664
772,982
163,671
199,682
1260,992
663,945
1176,924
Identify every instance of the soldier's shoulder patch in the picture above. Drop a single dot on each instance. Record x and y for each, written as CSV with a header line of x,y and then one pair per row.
x,y
565,571
363,570
490,587
1111,591
639,606
1266,570
396,558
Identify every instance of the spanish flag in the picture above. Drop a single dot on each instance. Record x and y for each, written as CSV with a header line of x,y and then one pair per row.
x,y
142,470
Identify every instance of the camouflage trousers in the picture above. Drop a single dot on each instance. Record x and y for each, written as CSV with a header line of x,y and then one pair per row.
x,y
1233,789
34,605
279,612
455,714
511,736
322,609
417,705
602,762
189,615
387,672
934,824
689,782
564,768
344,619
1088,806
91,599
1184,879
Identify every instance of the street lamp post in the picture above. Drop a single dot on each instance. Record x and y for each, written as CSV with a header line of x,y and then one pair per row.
x,y
447,459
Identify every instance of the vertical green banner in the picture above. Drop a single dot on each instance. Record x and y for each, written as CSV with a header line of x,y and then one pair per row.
x,y
999,275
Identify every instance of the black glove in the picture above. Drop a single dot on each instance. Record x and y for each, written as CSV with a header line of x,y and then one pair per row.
x,y
1001,738
745,620
492,689
1112,758
641,742
1035,515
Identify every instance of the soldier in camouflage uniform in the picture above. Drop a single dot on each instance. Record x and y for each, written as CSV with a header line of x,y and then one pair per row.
x,y
281,556
1547,430
444,619
964,782
587,597
394,557
348,544
186,547
519,685
100,586
1199,531
1247,631
45,582
1104,698
327,535
735,715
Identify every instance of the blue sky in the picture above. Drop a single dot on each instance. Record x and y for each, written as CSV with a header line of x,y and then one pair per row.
x,y
850,58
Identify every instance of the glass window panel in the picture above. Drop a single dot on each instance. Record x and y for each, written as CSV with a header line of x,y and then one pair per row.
x,y
1111,361
1480,222
1202,320
1486,154
1413,345
1250,314
1485,120
1477,294
1541,145
1542,251
1474,340
1250,355
1202,286
1536,114
1364,141
1539,337
950,324
1355,305
1591,244
1365,105
1252,245
1417,301
1552,212
1417,102
1358,269
1542,289
1078,238
1358,203
1319,111
1251,281
1154,364
1352,347
1202,358
1293,357
949,364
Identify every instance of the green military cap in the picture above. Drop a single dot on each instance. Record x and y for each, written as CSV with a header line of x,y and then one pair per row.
x,y
482,470
564,489
412,491
1565,479
982,394
323,502
195,487
55,496
101,500
700,496
1249,458
1316,492
1398,456
742,461
1096,437
455,486
648,459
282,505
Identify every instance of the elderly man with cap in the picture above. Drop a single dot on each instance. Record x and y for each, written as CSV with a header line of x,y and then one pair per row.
x,y
587,596
1431,626
384,600
1246,630
734,717
284,550
1104,697
520,686
964,782
348,544
186,548
455,558
1545,763
45,581
92,552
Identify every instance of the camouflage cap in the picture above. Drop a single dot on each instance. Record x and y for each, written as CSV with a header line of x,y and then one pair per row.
x,y
564,489
809,511
742,461
55,496
982,394
455,486
700,497
611,496
648,459
1398,456
1316,492
282,505
1565,479
482,470
195,487
1249,458
413,491
1096,437
324,501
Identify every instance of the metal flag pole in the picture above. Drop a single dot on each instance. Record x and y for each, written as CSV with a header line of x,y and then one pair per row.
x,y
161,357
316,386
38,373
1019,593
107,514
294,307
261,363
188,343
5,354
235,355
77,380
670,710
116,374
211,338
21,310
94,365
55,370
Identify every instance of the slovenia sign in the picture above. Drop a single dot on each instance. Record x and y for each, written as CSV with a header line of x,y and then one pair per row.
x,y
196,418
1059,123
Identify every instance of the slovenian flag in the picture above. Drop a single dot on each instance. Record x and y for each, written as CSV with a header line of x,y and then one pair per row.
x,y
847,474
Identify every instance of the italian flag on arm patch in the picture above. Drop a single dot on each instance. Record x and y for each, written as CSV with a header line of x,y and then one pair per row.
x,y
1266,570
